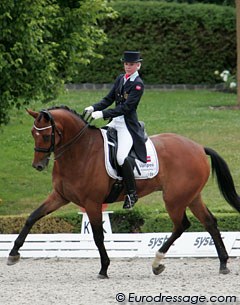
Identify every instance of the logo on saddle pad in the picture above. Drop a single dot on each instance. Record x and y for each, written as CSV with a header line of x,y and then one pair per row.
x,y
141,170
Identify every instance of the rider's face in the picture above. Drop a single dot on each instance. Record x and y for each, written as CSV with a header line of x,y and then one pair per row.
x,y
131,67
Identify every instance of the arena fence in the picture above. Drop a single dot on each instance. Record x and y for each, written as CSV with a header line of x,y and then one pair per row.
x,y
197,244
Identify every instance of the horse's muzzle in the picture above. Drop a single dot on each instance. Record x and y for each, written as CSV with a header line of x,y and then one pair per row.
x,y
40,165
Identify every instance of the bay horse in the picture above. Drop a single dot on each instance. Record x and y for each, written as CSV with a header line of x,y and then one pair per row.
x,y
79,176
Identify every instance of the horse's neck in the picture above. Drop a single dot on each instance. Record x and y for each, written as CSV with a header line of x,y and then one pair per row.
x,y
82,149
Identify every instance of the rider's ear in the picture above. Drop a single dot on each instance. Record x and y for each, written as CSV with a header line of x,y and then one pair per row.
x,y
34,114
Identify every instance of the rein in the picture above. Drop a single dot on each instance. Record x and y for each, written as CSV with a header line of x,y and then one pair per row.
x,y
65,146
70,142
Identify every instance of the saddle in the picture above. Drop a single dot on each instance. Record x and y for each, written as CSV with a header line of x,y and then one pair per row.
x,y
113,146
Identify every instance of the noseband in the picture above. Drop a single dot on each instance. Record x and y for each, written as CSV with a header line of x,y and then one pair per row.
x,y
65,146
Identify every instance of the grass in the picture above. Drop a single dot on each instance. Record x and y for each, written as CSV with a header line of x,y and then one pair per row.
x,y
22,188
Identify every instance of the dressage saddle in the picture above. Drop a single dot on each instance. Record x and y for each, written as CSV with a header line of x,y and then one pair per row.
x,y
113,146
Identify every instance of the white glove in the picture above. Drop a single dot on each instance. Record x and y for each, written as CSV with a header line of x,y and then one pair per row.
x,y
97,115
89,109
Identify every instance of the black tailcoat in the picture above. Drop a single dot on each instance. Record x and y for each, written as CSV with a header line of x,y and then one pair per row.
x,y
126,99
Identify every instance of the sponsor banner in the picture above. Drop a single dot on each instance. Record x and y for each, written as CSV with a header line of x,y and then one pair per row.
x,y
194,244
190,244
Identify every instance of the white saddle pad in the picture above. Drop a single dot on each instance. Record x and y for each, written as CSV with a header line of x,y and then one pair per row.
x,y
148,170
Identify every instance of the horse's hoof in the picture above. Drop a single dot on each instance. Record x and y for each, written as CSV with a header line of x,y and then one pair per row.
x,y
158,269
12,260
102,276
224,271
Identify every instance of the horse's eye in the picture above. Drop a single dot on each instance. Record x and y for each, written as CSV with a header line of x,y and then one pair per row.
x,y
46,138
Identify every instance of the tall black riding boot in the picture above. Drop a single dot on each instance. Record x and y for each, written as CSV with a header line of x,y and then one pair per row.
x,y
129,181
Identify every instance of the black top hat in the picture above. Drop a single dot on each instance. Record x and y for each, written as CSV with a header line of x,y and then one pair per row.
x,y
131,56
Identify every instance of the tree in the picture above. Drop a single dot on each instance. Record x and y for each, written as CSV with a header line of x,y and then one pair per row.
x,y
238,49
42,42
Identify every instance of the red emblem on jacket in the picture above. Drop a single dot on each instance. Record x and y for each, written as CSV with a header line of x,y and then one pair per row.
x,y
138,87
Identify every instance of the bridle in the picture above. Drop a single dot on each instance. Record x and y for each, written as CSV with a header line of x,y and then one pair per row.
x,y
53,126
63,147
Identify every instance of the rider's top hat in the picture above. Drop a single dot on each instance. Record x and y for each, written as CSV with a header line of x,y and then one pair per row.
x,y
131,56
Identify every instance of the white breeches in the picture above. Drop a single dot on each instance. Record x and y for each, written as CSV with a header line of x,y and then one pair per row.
x,y
125,141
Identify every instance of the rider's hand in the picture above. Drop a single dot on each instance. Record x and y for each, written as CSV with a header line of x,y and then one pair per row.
x,y
89,109
97,115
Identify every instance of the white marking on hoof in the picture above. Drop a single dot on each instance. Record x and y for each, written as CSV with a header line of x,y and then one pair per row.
x,y
159,256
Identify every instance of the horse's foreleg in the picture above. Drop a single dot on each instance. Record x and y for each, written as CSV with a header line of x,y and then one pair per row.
x,y
99,241
97,228
179,228
52,203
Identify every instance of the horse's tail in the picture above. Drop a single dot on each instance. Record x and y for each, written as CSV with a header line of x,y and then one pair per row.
x,y
224,178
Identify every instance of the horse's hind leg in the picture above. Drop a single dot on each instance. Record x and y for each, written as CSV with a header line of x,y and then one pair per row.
x,y
210,223
181,223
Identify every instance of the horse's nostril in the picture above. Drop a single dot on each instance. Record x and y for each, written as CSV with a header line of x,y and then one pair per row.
x,y
38,167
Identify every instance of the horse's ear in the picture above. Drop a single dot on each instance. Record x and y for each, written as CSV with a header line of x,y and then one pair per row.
x,y
34,114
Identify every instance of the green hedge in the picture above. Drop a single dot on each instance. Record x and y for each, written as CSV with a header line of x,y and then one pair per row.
x,y
162,223
13,225
180,43
219,2
122,221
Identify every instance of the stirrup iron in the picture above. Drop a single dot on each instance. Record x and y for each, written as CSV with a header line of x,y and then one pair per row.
x,y
130,200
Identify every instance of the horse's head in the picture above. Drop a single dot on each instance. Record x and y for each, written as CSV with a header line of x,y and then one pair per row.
x,y
46,136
